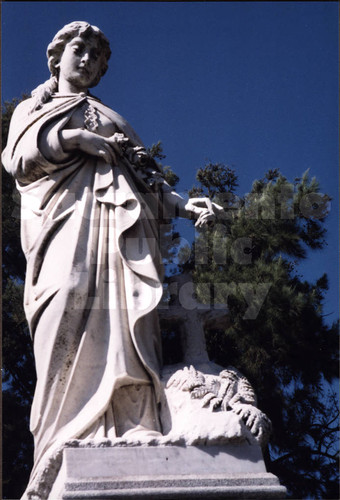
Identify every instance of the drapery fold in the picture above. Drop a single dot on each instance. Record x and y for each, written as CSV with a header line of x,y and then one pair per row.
x,y
94,273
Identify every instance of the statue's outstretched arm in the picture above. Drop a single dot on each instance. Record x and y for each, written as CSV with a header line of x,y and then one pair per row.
x,y
202,209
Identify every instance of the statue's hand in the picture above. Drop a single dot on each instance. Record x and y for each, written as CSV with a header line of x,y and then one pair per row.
x,y
204,209
117,142
93,144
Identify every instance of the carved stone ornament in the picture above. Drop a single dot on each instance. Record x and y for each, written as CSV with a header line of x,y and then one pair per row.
x,y
211,409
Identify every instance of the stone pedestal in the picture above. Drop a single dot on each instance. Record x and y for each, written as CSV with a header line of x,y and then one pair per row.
x,y
167,472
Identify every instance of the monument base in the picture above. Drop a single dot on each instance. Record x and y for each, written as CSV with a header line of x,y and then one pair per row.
x,y
167,472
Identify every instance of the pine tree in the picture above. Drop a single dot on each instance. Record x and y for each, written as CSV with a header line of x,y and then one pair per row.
x,y
277,337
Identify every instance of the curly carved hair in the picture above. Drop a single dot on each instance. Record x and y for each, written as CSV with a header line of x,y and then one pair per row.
x,y
55,50
67,33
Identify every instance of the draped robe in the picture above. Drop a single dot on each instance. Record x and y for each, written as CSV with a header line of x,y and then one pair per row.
x,y
93,279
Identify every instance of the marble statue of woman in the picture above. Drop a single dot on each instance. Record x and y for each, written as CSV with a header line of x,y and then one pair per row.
x,y
91,200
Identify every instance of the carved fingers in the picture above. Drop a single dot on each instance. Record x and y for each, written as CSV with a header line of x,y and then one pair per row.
x,y
116,145
89,143
118,142
204,209
108,148
205,218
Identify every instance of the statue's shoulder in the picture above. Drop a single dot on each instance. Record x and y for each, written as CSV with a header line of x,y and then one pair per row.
x,y
23,107
20,115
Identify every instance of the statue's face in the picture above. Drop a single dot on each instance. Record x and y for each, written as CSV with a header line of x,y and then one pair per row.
x,y
79,64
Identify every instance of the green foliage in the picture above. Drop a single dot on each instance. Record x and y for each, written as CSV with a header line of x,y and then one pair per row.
x,y
17,445
13,262
17,361
216,178
168,237
156,151
277,336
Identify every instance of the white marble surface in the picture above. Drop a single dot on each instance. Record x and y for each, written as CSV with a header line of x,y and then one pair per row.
x,y
149,461
168,472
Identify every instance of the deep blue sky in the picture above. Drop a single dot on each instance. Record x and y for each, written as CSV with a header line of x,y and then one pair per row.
x,y
250,84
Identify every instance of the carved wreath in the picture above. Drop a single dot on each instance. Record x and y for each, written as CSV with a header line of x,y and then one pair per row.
x,y
229,391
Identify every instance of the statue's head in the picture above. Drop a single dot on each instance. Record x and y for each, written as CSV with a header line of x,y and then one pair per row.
x,y
66,34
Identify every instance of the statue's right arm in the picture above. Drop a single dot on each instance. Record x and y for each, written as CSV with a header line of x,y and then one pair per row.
x,y
89,143
74,140
19,151
200,209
